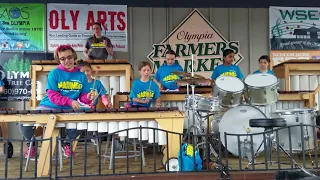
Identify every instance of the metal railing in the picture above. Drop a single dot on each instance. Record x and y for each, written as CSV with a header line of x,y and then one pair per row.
x,y
88,163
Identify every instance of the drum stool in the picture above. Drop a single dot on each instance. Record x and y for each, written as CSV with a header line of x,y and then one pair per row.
x,y
269,124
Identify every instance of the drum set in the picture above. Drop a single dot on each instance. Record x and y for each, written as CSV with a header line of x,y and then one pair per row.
x,y
229,109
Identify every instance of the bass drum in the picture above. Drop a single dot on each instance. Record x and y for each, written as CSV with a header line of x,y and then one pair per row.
x,y
236,121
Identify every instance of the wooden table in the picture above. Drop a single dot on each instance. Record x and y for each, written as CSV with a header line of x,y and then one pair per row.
x,y
106,68
168,120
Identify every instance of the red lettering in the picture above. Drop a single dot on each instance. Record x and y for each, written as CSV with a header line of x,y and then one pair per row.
x,y
74,17
112,14
102,18
90,20
120,17
54,19
63,21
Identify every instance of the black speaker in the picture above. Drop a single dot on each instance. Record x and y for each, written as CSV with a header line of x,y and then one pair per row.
x,y
294,174
318,120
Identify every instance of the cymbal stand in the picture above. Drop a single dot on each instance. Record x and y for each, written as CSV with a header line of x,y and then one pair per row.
x,y
198,127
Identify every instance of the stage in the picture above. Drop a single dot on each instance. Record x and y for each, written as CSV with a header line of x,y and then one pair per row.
x,y
135,168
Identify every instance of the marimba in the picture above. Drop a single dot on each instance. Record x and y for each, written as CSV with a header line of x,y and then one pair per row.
x,y
286,100
168,119
115,75
168,99
299,75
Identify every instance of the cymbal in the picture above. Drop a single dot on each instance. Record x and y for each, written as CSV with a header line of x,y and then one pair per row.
x,y
193,81
184,74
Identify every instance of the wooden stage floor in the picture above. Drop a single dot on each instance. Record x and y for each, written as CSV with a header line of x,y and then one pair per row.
x,y
14,163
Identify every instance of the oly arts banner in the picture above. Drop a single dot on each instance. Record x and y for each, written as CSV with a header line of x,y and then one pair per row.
x,y
14,72
72,24
22,27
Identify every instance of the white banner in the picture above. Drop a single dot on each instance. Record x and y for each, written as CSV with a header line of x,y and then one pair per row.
x,y
72,24
294,28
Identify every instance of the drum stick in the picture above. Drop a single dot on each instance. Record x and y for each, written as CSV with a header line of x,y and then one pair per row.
x,y
95,77
149,89
192,72
98,95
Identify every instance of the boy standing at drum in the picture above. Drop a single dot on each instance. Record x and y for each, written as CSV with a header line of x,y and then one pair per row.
x,y
164,74
227,68
144,90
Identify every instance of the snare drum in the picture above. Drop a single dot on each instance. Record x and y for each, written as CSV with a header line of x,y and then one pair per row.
x,y
229,90
202,103
236,121
261,89
296,117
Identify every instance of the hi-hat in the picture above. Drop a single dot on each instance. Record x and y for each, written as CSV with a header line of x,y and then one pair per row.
x,y
193,81
184,74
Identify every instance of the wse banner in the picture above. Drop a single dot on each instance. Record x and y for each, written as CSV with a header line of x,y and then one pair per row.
x,y
22,27
294,28
14,71
72,24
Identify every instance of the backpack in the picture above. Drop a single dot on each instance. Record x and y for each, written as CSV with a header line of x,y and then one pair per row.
x,y
186,159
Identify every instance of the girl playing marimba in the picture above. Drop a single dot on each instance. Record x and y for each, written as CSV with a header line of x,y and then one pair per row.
x,y
65,85
96,87
164,74
144,90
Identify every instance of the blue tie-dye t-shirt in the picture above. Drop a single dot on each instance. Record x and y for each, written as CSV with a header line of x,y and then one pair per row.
x,y
223,70
258,71
166,78
69,84
141,90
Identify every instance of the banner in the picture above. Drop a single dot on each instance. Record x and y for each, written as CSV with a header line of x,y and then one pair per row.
x,y
294,28
282,56
22,27
72,24
195,35
14,72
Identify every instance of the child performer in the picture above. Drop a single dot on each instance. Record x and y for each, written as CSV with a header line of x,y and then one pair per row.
x,y
264,62
64,87
144,90
227,68
98,90
164,74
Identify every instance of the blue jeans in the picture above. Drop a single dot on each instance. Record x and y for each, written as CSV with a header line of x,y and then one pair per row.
x,y
28,131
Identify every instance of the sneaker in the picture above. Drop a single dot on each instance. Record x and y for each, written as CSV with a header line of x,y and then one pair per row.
x,y
32,152
67,151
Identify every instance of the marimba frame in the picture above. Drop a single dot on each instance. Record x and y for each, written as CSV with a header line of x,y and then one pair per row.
x,y
171,121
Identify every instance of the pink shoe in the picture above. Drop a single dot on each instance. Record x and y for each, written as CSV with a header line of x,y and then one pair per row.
x,y
32,152
67,151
